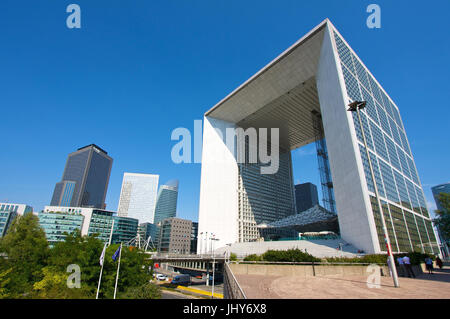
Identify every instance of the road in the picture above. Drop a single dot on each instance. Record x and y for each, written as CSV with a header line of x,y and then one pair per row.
x,y
175,295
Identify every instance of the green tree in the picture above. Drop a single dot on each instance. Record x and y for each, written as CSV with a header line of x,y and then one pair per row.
x,y
443,216
54,286
4,280
26,250
134,271
83,251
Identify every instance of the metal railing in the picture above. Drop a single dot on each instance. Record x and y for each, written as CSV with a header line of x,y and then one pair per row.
x,y
231,287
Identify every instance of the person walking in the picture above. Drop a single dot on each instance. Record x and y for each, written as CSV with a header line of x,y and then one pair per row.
x,y
408,267
429,265
402,265
439,262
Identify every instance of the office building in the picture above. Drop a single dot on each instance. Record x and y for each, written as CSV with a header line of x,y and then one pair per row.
x,y
194,237
444,241
8,212
105,225
166,201
304,94
175,236
306,196
437,190
85,179
147,230
138,196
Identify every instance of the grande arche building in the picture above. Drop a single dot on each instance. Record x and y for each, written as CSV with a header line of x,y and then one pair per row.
x,y
316,78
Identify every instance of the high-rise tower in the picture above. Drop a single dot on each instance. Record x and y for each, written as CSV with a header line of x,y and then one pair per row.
x,y
85,179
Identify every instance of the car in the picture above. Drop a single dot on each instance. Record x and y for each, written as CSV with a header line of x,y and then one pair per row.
x,y
161,277
181,280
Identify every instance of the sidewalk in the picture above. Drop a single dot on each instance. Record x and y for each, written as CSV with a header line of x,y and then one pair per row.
x,y
435,286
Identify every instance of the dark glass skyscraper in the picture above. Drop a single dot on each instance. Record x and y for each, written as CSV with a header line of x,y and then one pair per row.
x,y
85,179
306,196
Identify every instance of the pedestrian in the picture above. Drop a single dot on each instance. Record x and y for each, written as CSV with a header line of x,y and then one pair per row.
x,y
439,262
408,267
401,264
429,265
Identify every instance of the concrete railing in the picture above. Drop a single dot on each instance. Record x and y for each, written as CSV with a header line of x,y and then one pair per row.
x,y
304,269
231,287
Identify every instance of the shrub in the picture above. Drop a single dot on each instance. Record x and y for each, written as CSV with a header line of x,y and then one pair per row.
x,y
253,257
292,255
233,257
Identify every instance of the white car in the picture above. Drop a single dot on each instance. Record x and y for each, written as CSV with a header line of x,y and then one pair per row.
x,y
161,277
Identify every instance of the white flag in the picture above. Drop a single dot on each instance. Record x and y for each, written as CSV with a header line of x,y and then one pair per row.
x,y
102,257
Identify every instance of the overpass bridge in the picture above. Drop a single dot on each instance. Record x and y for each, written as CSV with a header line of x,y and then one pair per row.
x,y
203,258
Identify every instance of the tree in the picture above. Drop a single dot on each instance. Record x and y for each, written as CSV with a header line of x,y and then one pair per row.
x,y
83,251
54,286
26,249
443,217
134,271
4,280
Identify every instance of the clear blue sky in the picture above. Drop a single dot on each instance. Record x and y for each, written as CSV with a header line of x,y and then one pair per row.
x,y
138,69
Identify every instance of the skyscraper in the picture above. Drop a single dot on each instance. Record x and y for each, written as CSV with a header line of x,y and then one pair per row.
x,y
305,196
445,241
138,196
85,179
437,190
313,81
166,202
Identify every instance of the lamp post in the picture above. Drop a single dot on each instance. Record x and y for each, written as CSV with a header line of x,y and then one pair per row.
x,y
214,265
355,107
199,238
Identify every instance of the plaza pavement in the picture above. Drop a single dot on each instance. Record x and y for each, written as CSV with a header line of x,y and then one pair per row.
x,y
424,286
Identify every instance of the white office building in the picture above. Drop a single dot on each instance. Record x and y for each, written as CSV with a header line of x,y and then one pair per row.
x,y
138,196
305,93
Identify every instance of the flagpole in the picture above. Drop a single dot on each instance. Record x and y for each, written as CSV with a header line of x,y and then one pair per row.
x,y
101,271
118,268
111,233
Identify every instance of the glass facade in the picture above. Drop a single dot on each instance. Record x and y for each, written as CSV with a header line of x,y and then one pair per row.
x,y
263,198
306,196
8,212
57,224
138,196
6,219
147,230
125,229
85,179
404,208
166,201
100,224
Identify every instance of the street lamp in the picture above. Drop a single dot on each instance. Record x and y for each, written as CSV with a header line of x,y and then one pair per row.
x,y
355,107
214,264
199,239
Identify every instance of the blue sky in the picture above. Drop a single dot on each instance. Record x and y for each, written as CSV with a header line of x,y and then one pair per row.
x,y
138,69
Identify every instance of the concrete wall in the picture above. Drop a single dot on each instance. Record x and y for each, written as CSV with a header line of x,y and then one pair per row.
x,y
218,208
352,201
303,270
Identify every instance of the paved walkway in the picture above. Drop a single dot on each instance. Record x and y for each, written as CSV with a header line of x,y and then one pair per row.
x,y
424,286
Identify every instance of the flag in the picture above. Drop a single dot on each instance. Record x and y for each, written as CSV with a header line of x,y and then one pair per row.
x,y
116,254
102,256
